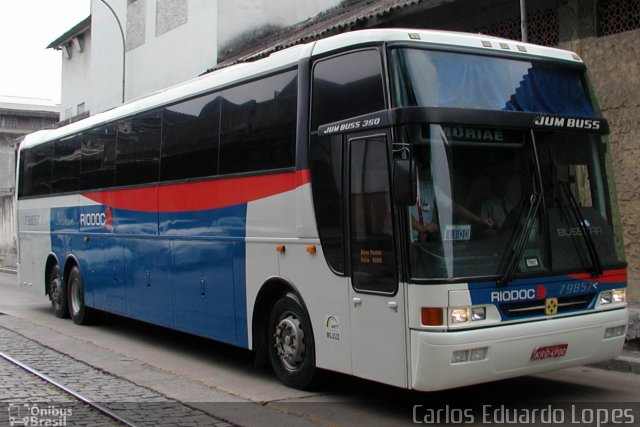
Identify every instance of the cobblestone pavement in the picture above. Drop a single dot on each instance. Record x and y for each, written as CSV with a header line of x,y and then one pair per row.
x,y
25,395
25,400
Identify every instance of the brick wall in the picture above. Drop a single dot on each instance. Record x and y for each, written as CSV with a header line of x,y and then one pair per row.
x,y
614,63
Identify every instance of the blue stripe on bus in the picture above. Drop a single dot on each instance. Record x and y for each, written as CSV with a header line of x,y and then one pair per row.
x,y
181,270
541,288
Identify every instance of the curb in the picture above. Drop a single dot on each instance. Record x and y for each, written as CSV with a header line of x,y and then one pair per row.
x,y
628,362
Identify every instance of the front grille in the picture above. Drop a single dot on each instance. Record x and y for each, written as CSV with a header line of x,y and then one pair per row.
x,y
537,307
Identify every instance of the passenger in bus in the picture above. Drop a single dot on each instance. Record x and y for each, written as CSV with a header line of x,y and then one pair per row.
x,y
497,206
424,214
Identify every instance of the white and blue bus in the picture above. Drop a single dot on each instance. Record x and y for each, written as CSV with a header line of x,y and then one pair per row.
x,y
423,209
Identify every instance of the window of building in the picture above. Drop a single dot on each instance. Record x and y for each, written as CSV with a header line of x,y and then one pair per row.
x,y
11,122
35,123
136,23
170,14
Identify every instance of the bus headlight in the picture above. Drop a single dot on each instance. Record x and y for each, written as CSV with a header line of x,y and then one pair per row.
x,y
619,295
613,296
466,314
459,315
478,313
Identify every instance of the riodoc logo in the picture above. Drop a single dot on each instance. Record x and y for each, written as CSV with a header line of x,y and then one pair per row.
x,y
98,219
539,292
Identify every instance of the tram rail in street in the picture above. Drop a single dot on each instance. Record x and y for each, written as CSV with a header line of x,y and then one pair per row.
x,y
70,392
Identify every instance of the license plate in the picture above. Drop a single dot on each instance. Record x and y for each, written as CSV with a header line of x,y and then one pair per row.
x,y
550,352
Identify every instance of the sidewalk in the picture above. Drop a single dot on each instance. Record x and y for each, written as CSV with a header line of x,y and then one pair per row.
x,y
8,264
628,361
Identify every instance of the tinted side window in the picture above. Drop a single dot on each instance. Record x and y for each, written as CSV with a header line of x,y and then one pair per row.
x,y
373,261
138,149
98,158
67,156
258,124
190,136
347,86
326,173
37,167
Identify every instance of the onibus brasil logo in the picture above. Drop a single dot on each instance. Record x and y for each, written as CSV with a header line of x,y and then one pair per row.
x,y
32,414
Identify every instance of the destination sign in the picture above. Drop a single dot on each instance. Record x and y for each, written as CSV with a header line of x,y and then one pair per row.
x,y
478,135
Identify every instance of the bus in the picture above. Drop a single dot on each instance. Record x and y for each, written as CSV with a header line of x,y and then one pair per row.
x,y
418,208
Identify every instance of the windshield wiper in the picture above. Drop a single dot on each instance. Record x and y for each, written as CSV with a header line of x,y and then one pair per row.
x,y
586,233
521,241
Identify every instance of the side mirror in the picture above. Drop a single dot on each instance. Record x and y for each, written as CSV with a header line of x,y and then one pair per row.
x,y
404,182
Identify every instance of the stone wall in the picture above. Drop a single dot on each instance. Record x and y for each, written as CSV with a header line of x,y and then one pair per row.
x,y
614,64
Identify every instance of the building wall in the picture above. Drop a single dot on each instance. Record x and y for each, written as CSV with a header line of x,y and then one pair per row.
x,y
7,166
170,41
167,42
241,22
615,72
76,81
7,188
7,228
106,60
179,43
18,117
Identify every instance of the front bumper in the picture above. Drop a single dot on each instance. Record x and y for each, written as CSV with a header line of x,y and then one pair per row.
x,y
509,349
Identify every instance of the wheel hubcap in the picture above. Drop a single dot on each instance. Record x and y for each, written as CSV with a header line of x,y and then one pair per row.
x,y
289,342
76,297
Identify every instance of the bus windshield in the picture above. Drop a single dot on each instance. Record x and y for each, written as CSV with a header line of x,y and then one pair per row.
x,y
429,78
490,198
503,201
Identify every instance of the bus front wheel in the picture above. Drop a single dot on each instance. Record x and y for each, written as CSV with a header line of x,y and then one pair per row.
x,y
57,292
291,344
80,313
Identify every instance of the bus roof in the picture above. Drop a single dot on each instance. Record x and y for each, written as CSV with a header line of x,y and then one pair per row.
x,y
289,57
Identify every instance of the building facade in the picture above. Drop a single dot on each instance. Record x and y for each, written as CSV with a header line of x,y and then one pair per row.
x,y
128,49
18,117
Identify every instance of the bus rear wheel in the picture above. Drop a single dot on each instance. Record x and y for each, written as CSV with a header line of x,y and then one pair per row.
x,y
57,290
291,344
80,313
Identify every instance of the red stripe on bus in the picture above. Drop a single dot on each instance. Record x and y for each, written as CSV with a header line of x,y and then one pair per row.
x,y
204,195
611,276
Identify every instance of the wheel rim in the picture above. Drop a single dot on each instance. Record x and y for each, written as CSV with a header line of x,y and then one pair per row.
x,y
289,342
76,296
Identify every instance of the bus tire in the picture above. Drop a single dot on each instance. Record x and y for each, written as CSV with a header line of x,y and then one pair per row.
x,y
290,343
57,290
80,313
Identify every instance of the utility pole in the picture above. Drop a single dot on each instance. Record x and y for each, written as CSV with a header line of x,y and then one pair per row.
x,y
523,21
124,46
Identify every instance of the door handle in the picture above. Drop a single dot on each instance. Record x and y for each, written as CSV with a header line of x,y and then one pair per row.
x,y
357,301
393,305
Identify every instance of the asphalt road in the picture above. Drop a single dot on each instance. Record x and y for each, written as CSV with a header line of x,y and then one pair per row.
x,y
222,381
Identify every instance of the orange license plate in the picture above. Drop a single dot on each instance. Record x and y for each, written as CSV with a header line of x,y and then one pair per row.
x,y
550,352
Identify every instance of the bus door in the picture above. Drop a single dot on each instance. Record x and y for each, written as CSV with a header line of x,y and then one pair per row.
x,y
377,301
